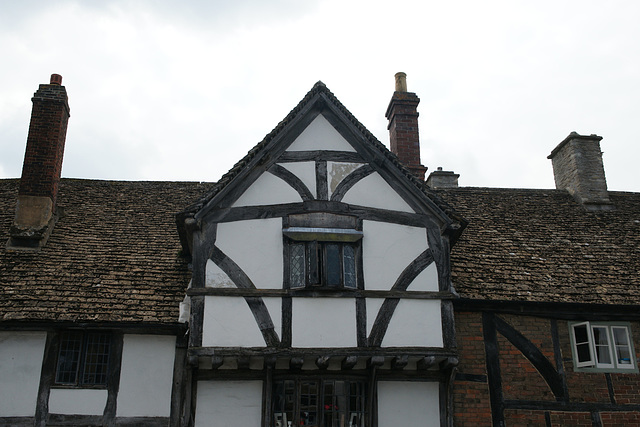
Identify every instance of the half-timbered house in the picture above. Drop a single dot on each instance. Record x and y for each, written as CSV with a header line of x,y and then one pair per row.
x,y
320,281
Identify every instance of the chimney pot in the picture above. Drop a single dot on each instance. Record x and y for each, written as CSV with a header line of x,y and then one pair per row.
x,y
56,79
401,82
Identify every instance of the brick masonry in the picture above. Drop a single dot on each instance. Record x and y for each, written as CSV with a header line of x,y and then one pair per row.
x,y
45,143
525,397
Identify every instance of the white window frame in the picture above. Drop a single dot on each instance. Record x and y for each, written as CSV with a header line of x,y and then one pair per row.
x,y
606,347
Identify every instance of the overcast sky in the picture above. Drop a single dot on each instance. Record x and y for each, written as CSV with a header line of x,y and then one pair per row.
x,y
166,90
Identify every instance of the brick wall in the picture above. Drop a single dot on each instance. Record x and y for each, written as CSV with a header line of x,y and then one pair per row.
x,y
521,393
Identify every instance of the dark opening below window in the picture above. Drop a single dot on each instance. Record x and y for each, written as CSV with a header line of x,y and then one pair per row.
x,y
327,403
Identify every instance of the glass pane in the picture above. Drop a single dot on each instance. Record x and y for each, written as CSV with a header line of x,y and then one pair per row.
x,y
622,347
69,357
349,263
308,403
601,340
296,266
96,359
283,403
583,352
581,334
333,264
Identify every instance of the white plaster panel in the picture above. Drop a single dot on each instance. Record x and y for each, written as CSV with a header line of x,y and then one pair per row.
x,y
415,323
229,403
146,376
373,191
320,135
404,403
387,249
268,189
77,401
305,171
20,365
256,246
229,322
216,278
427,280
324,322
337,171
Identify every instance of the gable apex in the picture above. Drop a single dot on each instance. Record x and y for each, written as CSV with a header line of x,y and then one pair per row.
x,y
319,101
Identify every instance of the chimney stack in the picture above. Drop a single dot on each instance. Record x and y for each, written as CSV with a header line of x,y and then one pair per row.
x,y
402,114
443,179
578,168
36,204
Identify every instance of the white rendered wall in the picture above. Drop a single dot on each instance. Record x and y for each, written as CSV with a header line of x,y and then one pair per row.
x,y
387,249
427,280
146,376
229,322
20,366
415,323
77,401
337,171
320,135
216,278
256,246
323,322
373,191
229,403
404,403
268,189
305,171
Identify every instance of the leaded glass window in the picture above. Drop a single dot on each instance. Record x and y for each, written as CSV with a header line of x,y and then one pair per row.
x,y
83,358
323,264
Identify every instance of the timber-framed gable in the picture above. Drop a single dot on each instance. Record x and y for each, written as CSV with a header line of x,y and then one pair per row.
x,y
288,278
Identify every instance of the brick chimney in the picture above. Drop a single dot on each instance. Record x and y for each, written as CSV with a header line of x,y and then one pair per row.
x,y
443,179
36,205
578,168
402,114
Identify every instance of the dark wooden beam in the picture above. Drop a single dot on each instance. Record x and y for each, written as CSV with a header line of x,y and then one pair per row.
x,y
349,362
426,362
399,362
322,362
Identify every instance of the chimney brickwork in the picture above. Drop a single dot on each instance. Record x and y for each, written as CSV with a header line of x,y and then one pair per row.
x,y
402,114
578,168
42,167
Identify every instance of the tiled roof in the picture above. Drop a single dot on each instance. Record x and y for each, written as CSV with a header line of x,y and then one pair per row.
x,y
112,256
541,245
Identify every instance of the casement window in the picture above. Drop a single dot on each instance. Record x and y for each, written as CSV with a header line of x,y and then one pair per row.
x,y
318,402
327,264
602,346
322,250
83,359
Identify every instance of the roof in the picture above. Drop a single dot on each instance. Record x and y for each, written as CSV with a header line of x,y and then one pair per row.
x,y
543,246
319,93
113,256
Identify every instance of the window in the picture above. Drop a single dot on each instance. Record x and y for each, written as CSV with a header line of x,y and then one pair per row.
x,y
83,358
602,346
329,264
316,402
